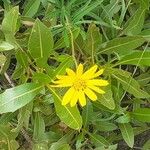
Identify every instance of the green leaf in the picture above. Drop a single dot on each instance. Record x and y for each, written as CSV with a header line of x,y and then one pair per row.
x,y
135,24
62,141
42,78
107,99
87,114
22,58
123,119
66,63
98,140
17,97
69,115
7,138
138,58
31,8
93,40
23,117
39,127
40,41
143,3
85,9
129,84
61,42
5,46
127,133
146,145
141,114
105,126
146,34
110,10
2,61
40,146
111,147
143,78
5,118
9,24
121,44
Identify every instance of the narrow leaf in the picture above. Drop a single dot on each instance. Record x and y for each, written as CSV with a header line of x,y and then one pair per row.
x,y
94,39
5,46
107,99
99,140
129,84
69,115
138,58
40,41
127,133
121,44
31,8
17,97
39,127
9,24
141,114
135,24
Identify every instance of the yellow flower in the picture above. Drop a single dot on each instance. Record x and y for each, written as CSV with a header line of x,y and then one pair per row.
x,y
81,85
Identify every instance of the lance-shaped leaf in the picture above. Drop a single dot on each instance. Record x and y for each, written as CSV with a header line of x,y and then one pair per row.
x,y
17,97
5,46
135,24
31,8
136,58
9,24
141,114
129,84
127,133
121,45
94,39
7,138
69,115
40,41
107,99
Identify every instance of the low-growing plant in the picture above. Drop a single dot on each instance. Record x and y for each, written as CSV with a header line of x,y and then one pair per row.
x,y
74,74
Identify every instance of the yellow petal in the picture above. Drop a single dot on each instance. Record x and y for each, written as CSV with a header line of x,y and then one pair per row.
x,y
96,89
97,82
80,70
100,72
61,85
61,76
68,95
82,98
70,72
89,73
74,99
90,94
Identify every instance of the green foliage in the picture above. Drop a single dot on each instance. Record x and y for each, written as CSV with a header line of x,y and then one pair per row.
x,y
39,39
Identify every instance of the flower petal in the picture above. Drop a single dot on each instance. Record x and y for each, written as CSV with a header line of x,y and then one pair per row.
x,y
61,85
70,72
61,76
100,72
97,82
96,89
67,96
90,94
68,81
74,99
82,98
89,73
79,70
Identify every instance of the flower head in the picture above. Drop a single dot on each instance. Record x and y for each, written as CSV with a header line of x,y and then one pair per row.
x,y
81,85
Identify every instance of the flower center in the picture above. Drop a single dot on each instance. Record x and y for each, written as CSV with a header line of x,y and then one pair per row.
x,y
79,84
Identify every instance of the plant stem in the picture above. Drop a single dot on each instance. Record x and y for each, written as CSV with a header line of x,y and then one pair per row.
x,y
72,42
